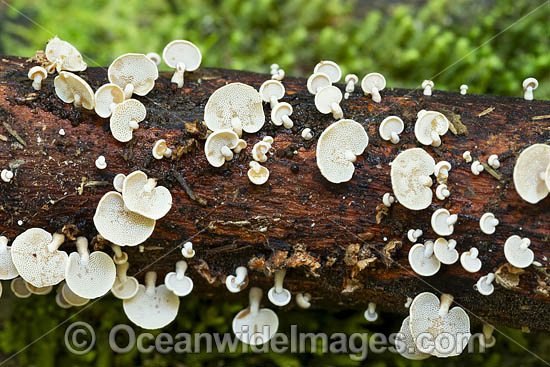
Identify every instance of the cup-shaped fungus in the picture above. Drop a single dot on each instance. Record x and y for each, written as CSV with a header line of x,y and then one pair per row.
x,y
19,288
107,97
351,80
405,344
337,149
470,261
118,181
530,171
303,300
187,250
161,150
235,106
529,85
442,192
36,257
370,313
125,287
271,91
280,115
445,251
516,251
72,298
71,88
317,81
257,174
239,281
218,146
255,325
327,100
372,84
441,171
141,195
410,178
152,307
154,57
37,74
40,291
180,284
7,268
278,295
63,56
427,85
125,119
89,275
488,223
443,222
330,69
422,259
183,56
134,73
119,225
390,128
449,329
485,284
430,126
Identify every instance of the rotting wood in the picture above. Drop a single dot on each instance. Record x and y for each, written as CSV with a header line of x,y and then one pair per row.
x,y
317,220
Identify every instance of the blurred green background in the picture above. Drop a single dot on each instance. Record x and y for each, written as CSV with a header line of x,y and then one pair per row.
x,y
450,41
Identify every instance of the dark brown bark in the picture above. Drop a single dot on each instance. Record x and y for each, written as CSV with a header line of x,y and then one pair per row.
x,y
326,235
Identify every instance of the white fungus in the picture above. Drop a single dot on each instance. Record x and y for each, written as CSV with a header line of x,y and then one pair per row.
x,y
100,162
428,86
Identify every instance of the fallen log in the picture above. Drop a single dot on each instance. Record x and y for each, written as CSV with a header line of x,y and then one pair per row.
x,y
337,241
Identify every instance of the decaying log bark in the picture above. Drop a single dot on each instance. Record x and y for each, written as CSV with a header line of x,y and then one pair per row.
x,y
336,241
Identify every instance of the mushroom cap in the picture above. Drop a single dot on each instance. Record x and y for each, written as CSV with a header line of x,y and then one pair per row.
x,y
427,122
341,136
260,177
515,255
406,172
531,163
37,70
255,329
159,148
330,69
214,144
129,110
19,288
391,124
59,50
425,318
443,253
422,265
72,298
427,83
118,224
38,290
135,69
152,311
351,77
441,165
60,301
92,280
154,205
182,51
68,84
180,287
405,343
126,289
235,100
470,263
371,81
326,97
118,181
281,298
106,95
439,222
317,81
280,110
34,262
272,88
530,82
7,267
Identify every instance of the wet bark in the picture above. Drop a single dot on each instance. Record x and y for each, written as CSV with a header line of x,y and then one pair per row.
x,y
336,241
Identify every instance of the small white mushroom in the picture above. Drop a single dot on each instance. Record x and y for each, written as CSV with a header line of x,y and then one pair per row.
x,y
118,181
373,84
470,261
154,57
241,144
484,284
530,173
463,89
370,313
428,86
327,100
134,73
277,73
218,147
63,56
388,200
410,178
476,168
351,80
187,250
442,192
61,132
271,91
260,150
445,251
493,161
414,234
329,68
278,295
125,119
430,126
40,291
488,223
72,298
405,344
19,288
71,88
180,284
100,162
255,325
390,128
467,156
422,259
488,340
317,81
59,300
141,195
6,175
441,171
107,97
307,134
303,300
280,115
161,150
7,268
119,256
37,74
443,222
239,281
125,287
257,174
529,85
517,251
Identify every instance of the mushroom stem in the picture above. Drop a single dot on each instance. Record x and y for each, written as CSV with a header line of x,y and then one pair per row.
x,y
57,240
112,107
493,222
51,67
37,81
187,250
177,78
445,303
279,279
350,87
150,280
59,66
287,122
394,137
425,181
525,242
121,270
167,153
150,185
227,153
77,100
336,110
3,244
350,156
237,126
428,249
255,296
488,332
474,252
82,248
241,273
451,244
128,91
120,257
273,101
256,167
528,95
436,139
134,125
489,278
376,97
452,219
181,268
